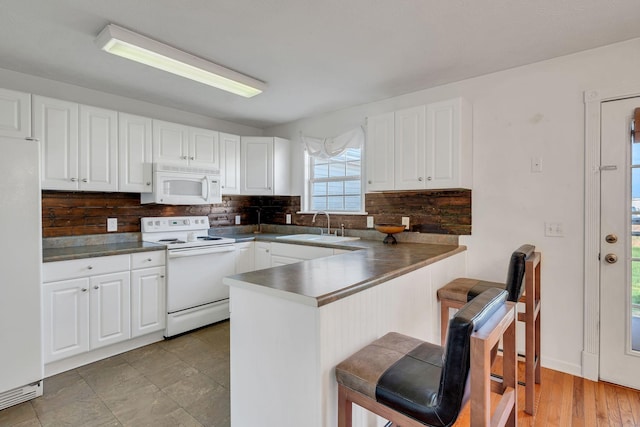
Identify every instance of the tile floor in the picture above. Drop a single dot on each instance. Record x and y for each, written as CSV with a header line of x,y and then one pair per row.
x,y
178,382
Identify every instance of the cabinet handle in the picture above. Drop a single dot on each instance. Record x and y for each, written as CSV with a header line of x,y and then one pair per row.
x,y
420,178
162,277
148,183
73,179
149,259
30,138
369,182
184,157
267,251
96,287
192,158
84,179
90,268
84,289
269,188
428,178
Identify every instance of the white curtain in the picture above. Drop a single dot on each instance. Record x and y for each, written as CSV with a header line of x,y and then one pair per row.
x,y
326,148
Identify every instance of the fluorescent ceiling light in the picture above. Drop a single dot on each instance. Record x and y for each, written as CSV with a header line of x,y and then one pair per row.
x,y
133,46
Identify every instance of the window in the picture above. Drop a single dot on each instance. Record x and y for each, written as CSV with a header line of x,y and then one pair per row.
x,y
335,184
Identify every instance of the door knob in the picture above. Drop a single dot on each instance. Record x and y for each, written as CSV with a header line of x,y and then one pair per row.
x,y
611,238
611,258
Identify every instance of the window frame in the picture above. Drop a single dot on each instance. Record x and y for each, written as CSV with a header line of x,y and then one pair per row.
x,y
309,181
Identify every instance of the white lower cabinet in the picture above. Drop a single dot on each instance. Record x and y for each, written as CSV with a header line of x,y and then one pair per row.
x,y
109,309
262,255
66,318
245,257
92,303
148,301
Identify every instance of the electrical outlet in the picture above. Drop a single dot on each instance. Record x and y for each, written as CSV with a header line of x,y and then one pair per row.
x,y
112,224
405,222
237,219
369,222
553,229
288,219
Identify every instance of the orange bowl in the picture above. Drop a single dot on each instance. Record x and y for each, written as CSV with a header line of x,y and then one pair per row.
x,y
390,228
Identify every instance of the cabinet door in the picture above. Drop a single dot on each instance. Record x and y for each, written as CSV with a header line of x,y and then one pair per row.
x,y
204,150
134,153
98,150
66,318
230,163
15,114
257,166
170,142
443,144
55,124
281,167
110,308
244,257
379,153
409,168
262,255
148,304
278,260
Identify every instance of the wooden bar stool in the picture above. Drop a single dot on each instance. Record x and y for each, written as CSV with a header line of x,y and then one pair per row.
x,y
415,383
524,269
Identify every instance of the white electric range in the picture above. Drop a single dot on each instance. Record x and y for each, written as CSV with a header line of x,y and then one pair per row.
x,y
196,264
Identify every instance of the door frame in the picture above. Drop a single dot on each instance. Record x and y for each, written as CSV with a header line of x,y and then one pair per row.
x,y
591,320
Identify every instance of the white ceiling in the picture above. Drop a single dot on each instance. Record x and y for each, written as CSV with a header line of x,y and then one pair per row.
x,y
315,55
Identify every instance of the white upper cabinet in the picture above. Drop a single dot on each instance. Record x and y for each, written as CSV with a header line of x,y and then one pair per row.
x,y
98,149
15,114
134,153
79,145
379,153
424,147
230,163
179,144
409,148
265,166
170,142
204,148
55,124
449,146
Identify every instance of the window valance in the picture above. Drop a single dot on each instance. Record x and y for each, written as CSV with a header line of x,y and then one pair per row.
x,y
326,148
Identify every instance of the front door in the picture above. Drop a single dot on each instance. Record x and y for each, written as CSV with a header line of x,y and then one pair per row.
x,y
620,245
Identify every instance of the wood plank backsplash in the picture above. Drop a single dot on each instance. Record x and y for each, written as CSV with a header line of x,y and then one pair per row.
x,y
81,213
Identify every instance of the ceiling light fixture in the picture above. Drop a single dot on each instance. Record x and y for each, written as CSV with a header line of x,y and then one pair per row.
x,y
133,46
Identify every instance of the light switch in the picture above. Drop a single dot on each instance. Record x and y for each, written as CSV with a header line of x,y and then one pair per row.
x,y
237,219
112,224
536,164
553,229
288,219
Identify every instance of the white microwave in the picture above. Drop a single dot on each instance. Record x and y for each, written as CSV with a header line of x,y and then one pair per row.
x,y
183,185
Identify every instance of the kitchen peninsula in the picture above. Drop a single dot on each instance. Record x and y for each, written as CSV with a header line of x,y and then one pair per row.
x,y
290,325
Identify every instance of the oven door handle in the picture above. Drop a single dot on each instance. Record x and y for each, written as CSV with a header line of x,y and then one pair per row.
x,y
183,253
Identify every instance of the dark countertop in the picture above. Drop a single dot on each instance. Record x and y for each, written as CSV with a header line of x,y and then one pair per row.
x,y
90,251
321,281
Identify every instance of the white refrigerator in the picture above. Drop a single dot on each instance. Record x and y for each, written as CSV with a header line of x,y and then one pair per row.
x,y
21,365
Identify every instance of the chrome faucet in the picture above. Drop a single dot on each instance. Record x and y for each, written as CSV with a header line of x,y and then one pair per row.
x,y
328,221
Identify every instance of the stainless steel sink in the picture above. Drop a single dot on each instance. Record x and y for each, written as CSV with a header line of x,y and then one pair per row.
x,y
317,238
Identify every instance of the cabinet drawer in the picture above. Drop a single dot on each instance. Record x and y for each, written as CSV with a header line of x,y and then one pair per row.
x,y
61,270
147,259
301,252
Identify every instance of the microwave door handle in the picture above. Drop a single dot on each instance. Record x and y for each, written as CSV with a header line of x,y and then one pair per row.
x,y
205,196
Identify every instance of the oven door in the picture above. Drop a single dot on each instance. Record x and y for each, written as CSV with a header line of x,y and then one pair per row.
x,y
194,276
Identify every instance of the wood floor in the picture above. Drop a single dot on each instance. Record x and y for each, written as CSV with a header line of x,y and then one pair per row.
x,y
565,400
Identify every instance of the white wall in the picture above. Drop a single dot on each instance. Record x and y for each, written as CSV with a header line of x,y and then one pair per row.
x,y
534,110
54,89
